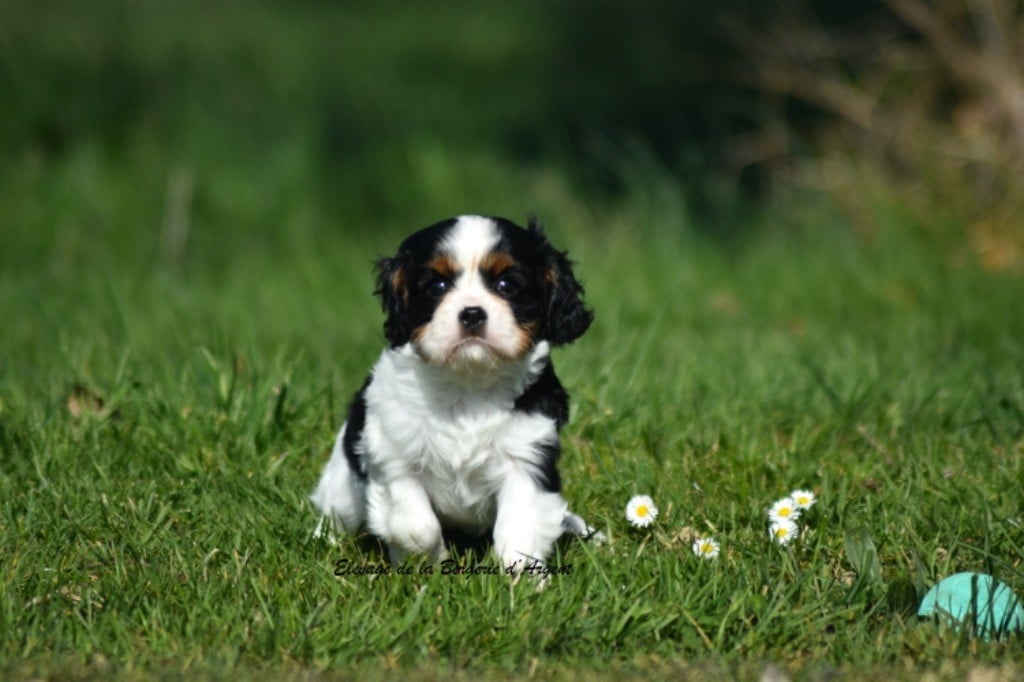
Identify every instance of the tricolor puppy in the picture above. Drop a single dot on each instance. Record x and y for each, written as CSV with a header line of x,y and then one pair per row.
x,y
457,425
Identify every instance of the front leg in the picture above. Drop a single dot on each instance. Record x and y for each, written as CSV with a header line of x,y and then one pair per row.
x,y
400,514
529,521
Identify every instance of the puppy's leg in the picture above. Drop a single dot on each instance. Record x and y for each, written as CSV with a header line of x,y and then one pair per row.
x,y
528,522
401,515
340,496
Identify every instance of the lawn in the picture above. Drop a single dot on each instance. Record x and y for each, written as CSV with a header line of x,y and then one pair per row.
x,y
182,333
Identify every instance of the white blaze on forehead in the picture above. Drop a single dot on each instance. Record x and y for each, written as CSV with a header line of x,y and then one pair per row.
x,y
470,239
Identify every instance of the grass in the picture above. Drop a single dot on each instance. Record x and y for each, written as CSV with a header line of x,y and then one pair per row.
x,y
160,435
188,309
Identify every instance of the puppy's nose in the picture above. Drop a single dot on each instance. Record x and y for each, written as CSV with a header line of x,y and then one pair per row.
x,y
472,318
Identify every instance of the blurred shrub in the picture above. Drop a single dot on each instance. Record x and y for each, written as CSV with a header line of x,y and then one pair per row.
x,y
926,108
184,128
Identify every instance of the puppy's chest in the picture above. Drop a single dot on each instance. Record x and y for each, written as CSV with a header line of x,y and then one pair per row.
x,y
458,439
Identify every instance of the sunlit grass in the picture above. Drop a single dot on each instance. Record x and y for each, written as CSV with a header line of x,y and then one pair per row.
x,y
160,435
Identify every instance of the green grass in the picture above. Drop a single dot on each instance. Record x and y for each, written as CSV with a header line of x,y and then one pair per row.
x,y
166,408
168,529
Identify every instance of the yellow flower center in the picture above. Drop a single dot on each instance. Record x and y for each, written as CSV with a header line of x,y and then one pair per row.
x,y
641,511
785,511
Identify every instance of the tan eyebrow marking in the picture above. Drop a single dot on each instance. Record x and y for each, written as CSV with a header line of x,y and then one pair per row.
x,y
496,263
444,265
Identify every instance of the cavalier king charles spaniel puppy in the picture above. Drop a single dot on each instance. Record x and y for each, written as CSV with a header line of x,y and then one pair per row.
x,y
457,425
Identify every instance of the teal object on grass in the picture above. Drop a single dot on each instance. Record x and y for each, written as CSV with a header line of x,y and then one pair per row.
x,y
977,600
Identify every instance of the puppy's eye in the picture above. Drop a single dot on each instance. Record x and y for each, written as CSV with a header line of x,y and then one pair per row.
x,y
506,286
437,287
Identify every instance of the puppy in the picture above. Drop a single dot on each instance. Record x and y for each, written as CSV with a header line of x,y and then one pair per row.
x,y
457,425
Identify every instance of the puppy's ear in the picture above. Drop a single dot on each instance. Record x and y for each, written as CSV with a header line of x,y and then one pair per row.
x,y
393,290
566,316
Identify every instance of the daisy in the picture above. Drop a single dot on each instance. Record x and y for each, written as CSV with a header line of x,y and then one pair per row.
x,y
640,511
803,499
784,532
785,509
705,548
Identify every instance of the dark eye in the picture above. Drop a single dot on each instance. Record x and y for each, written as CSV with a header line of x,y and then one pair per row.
x,y
437,287
506,286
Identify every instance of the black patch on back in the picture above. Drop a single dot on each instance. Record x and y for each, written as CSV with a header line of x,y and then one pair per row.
x,y
546,396
354,426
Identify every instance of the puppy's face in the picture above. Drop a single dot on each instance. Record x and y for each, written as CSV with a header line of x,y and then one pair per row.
x,y
471,293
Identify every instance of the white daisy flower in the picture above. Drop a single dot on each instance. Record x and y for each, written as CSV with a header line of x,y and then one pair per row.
x,y
785,509
705,548
640,511
784,531
803,499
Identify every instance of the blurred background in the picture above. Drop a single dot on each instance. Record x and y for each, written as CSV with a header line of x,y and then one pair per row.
x,y
186,134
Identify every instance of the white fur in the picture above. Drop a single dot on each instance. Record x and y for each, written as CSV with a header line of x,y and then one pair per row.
x,y
529,521
438,450
339,495
471,238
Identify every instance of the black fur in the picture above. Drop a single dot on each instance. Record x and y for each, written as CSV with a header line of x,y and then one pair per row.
x,y
545,396
546,475
566,318
405,306
354,430
396,330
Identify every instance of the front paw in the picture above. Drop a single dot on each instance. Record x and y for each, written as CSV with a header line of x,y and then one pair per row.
x,y
529,521
518,563
398,555
537,571
415,535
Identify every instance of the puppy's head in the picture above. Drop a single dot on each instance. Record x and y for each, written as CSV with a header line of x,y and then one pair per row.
x,y
473,292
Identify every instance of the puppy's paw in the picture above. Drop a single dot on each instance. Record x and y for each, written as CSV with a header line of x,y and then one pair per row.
x,y
415,535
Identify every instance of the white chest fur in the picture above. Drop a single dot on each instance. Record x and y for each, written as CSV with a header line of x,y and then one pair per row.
x,y
459,441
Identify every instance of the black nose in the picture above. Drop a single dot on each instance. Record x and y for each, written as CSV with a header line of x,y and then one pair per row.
x,y
472,318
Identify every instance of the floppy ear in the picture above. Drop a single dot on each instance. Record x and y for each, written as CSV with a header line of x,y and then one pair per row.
x,y
393,290
567,317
